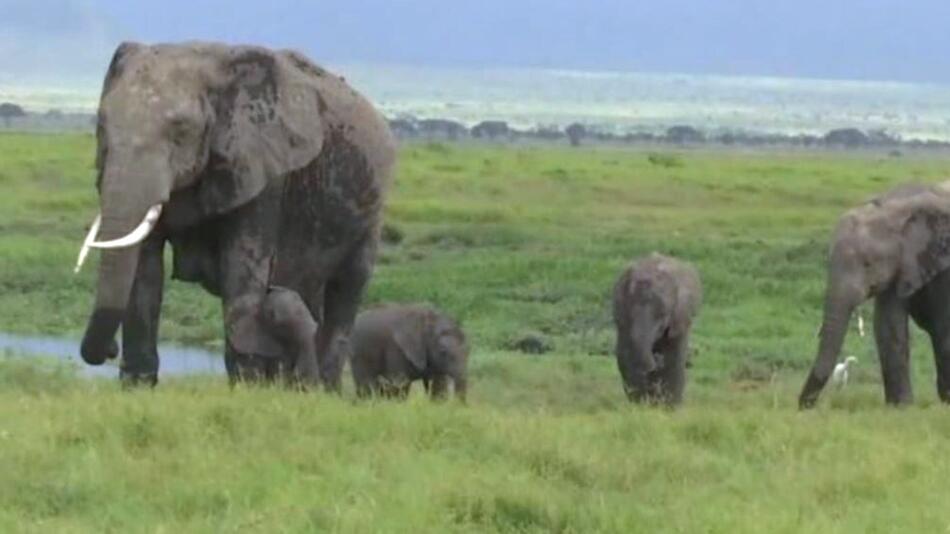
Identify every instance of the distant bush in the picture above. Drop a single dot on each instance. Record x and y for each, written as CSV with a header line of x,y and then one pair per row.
x,y
664,160
684,134
392,234
846,137
491,130
10,111
530,343
575,132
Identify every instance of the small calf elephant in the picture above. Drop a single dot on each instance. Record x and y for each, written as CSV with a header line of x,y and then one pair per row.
x,y
395,344
281,333
655,301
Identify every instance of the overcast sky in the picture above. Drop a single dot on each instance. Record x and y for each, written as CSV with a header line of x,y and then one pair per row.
x,y
905,40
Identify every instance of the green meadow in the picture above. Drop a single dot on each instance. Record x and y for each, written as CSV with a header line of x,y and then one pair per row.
x,y
514,241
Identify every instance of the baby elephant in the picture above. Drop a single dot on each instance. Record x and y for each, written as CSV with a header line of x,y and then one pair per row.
x,y
397,343
270,336
655,301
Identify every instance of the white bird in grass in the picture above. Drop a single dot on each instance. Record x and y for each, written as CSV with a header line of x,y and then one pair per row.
x,y
839,376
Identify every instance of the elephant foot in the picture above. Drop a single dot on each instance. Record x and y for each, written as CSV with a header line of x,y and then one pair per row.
x,y
100,356
902,402
131,380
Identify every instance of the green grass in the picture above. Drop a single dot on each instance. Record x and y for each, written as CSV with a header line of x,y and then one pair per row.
x,y
511,240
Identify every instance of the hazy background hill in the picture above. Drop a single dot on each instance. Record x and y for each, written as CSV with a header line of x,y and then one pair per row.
x,y
783,67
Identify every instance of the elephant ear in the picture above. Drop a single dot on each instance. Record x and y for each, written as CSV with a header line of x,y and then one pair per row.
x,y
409,335
926,249
688,300
247,332
267,124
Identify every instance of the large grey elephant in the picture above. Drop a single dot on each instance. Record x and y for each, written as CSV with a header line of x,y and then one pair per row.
x,y
655,301
896,249
396,344
262,171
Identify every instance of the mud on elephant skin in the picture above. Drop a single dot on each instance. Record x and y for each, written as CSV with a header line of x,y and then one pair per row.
x,y
396,344
260,169
895,249
655,301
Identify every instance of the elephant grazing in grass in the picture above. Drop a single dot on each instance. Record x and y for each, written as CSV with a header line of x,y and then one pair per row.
x,y
262,171
396,344
655,301
896,249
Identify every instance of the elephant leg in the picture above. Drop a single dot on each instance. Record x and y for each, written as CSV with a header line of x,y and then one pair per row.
x,y
341,299
943,380
891,335
439,387
941,347
364,390
673,373
248,368
243,271
246,337
139,364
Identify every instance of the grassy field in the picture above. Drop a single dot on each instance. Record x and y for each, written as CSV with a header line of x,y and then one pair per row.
x,y
514,241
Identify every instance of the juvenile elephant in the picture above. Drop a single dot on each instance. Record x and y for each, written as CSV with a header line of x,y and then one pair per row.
x,y
395,344
261,170
655,302
896,249
289,336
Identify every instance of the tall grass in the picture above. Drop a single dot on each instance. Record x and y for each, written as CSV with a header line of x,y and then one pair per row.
x,y
511,240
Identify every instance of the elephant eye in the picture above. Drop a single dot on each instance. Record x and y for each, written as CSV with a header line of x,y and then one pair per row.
x,y
180,129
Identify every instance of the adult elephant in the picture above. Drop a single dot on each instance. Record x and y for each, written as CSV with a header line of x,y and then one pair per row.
x,y
262,171
895,248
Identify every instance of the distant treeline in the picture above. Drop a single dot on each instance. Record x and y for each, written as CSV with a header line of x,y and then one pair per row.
x,y
14,117
683,135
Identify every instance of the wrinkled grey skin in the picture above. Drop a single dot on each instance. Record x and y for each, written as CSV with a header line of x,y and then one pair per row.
x,y
655,302
272,173
896,249
394,345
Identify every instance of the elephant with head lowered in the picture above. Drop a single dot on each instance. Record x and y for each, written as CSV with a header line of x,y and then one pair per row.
x,y
396,344
655,301
262,171
895,249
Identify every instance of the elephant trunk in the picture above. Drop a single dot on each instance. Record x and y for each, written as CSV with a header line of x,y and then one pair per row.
x,y
121,213
641,361
839,305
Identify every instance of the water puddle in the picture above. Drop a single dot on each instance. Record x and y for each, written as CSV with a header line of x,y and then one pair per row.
x,y
175,360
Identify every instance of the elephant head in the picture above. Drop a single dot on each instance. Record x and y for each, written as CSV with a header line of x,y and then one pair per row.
x,y
435,344
897,242
213,121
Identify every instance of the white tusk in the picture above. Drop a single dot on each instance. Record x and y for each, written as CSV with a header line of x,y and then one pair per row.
x,y
90,237
135,236
860,325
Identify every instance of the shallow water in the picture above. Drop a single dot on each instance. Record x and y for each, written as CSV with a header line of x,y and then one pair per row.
x,y
175,360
